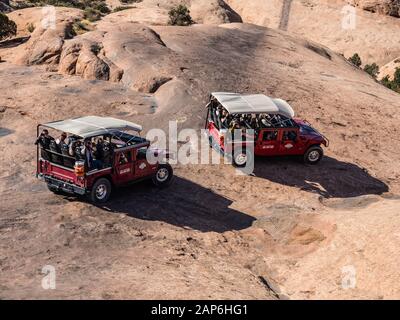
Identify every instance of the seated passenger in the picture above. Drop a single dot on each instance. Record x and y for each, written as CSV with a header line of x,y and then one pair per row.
x,y
74,147
44,140
225,118
123,159
270,135
218,111
254,122
55,152
87,152
265,121
99,153
107,154
233,130
289,135
61,141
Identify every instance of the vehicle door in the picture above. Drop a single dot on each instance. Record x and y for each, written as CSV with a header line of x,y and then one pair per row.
x,y
290,143
124,168
268,142
142,167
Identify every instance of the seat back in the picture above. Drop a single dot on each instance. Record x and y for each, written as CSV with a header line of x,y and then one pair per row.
x,y
55,148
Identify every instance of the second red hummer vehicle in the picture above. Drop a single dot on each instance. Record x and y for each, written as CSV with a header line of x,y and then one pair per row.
x,y
275,131
113,157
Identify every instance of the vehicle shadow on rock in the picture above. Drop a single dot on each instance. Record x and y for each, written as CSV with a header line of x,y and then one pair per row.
x,y
183,204
329,178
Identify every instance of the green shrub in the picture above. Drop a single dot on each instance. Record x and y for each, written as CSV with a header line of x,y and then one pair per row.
x,y
98,5
355,60
180,16
386,82
117,9
30,27
92,15
8,28
80,27
396,77
392,84
372,69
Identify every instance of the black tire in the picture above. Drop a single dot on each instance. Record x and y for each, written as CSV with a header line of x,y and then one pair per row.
x,y
163,175
241,157
54,189
101,191
313,155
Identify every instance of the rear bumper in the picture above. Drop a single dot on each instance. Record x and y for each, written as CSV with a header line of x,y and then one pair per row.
x,y
62,185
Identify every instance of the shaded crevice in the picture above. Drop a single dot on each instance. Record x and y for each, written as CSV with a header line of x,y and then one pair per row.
x,y
158,83
232,14
269,287
319,50
11,43
158,37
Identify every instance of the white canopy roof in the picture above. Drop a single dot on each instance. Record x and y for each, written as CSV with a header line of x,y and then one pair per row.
x,y
255,103
91,126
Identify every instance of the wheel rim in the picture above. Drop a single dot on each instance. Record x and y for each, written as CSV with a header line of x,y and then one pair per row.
x,y
101,191
241,159
162,174
313,156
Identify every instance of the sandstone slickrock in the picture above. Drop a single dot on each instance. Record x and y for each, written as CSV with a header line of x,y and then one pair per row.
x,y
346,29
212,234
47,39
155,12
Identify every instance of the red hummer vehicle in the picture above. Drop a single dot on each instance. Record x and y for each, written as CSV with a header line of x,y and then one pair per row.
x,y
275,131
115,158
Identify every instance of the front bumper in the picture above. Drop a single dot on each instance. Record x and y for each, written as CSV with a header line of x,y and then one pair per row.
x,y
62,185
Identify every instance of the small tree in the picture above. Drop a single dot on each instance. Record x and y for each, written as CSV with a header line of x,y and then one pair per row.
x,y
30,27
180,16
8,28
372,69
396,77
386,82
392,84
356,60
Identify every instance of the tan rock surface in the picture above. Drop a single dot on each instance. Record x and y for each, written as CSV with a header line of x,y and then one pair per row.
x,y
155,12
213,233
375,37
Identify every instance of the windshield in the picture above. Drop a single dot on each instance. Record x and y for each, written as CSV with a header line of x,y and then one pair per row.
x,y
305,129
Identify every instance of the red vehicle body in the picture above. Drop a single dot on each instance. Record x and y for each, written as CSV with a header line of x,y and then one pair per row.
x,y
60,173
288,136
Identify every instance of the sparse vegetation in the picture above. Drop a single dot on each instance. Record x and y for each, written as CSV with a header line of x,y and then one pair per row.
x,y
8,28
117,9
355,60
30,27
92,15
80,27
372,69
180,16
93,9
130,1
392,84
